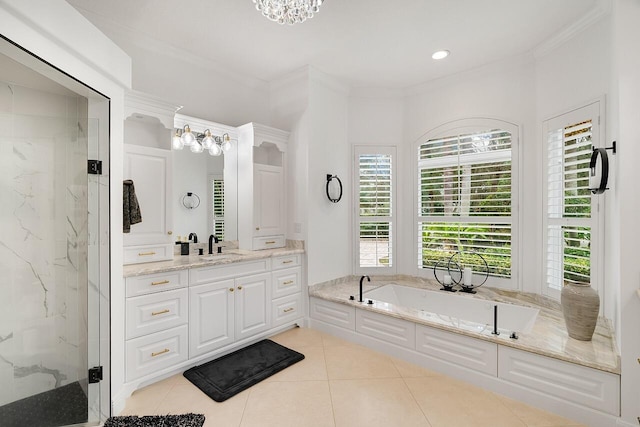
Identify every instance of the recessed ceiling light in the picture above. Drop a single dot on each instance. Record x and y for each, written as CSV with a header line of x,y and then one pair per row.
x,y
441,54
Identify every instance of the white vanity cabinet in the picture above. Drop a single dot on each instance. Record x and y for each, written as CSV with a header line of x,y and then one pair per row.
x,y
156,323
261,192
286,281
178,319
147,162
150,170
224,311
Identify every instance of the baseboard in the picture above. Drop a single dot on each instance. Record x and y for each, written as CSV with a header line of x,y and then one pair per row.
x,y
561,407
622,423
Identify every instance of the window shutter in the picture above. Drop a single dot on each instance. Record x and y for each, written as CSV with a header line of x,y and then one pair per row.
x,y
465,198
569,211
375,209
218,208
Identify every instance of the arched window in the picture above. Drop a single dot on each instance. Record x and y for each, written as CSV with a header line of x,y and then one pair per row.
x,y
467,184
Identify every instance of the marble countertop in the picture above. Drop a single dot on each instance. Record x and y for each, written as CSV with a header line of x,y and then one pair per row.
x,y
193,261
548,337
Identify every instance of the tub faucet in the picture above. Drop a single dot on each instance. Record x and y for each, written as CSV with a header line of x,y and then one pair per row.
x,y
212,239
194,236
361,280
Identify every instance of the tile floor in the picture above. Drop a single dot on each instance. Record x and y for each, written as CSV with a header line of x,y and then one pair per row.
x,y
345,385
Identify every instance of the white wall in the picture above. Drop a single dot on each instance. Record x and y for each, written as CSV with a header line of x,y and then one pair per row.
x,y
626,88
329,227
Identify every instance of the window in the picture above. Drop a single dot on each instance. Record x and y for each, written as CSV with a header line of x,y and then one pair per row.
x,y
375,207
216,185
467,197
571,214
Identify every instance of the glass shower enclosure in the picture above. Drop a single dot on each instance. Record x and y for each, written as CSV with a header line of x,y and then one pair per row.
x,y
53,246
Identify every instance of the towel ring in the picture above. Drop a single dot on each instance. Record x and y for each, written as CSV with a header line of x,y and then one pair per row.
x,y
190,200
604,169
329,178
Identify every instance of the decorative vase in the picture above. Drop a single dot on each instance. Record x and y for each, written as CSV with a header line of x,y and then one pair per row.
x,y
580,307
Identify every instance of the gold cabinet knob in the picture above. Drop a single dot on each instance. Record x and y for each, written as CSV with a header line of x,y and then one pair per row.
x,y
257,228
239,288
169,232
231,289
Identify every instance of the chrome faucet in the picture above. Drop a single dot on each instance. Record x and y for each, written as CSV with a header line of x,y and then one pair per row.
x,y
194,236
213,239
361,280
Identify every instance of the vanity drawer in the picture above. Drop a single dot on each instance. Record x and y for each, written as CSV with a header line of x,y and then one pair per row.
x,y
286,282
150,283
150,253
156,312
285,261
152,353
286,309
268,242
200,276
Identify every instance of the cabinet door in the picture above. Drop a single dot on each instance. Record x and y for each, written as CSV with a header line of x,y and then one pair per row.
x,y
268,187
211,320
150,170
253,305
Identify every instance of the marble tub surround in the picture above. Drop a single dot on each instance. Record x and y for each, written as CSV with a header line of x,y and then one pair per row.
x,y
548,337
180,262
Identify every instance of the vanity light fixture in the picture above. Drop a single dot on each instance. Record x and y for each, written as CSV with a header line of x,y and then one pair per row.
x,y
199,142
288,11
440,54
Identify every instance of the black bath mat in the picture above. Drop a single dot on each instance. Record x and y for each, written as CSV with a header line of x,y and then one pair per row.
x,y
58,407
187,420
227,376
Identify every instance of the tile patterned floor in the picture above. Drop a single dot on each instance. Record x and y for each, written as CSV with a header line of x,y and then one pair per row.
x,y
344,385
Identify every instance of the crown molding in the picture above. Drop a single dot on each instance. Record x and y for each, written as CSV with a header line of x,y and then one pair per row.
x,y
136,102
602,9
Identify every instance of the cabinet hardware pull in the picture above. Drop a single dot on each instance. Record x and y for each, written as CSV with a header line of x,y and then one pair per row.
x,y
270,243
164,282
288,310
157,313
146,253
257,228
169,232
166,350
231,289
287,261
288,282
239,288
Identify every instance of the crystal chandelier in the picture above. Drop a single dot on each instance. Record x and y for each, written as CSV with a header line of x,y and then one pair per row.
x,y
288,11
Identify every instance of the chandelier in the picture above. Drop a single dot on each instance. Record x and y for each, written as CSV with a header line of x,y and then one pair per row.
x,y
199,142
288,11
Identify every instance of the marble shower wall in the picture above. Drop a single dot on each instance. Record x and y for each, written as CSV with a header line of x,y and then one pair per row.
x,y
43,241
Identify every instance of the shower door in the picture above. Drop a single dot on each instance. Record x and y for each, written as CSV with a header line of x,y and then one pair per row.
x,y
52,239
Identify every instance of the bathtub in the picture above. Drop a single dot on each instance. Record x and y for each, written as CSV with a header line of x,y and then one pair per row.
x,y
463,311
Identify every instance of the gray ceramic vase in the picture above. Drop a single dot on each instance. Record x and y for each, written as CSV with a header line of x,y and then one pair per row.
x,y
580,307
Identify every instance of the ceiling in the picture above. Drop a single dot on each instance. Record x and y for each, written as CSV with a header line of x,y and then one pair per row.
x,y
365,43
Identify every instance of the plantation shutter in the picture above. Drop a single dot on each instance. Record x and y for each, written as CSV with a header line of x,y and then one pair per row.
x,y
375,207
465,200
569,211
218,208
